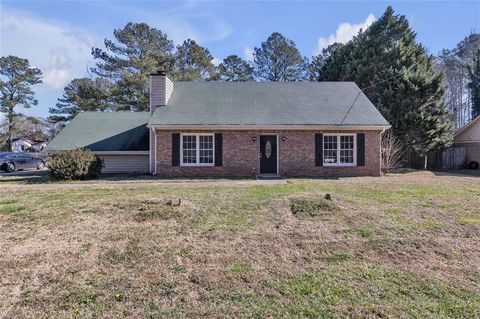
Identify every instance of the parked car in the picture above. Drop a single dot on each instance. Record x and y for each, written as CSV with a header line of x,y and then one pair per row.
x,y
10,162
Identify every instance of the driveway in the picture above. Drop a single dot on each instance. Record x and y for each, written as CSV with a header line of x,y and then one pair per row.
x,y
33,172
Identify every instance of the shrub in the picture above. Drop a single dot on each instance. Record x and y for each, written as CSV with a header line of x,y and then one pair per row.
x,y
77,164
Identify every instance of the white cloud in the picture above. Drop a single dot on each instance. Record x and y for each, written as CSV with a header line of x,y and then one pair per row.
x,y
248,54
179,30
63,51
190,19
56,78
60,51
344,33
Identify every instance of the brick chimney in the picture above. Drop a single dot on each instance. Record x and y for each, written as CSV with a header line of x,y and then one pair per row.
x,y
160,90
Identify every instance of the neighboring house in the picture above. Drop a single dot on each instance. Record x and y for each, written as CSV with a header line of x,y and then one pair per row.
x,y
469,138
20,145
24,145
38,146
237,129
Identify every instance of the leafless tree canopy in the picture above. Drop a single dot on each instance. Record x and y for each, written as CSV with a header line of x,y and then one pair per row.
x,y
454,64
28,127
392,152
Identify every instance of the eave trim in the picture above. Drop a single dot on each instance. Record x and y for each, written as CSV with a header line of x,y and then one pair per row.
x,y
272,127
105,152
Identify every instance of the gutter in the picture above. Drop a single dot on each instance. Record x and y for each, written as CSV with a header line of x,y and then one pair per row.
x,y
102,152
240,127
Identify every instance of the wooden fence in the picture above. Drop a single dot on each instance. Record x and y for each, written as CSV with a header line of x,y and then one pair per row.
x,y
454,158
449,158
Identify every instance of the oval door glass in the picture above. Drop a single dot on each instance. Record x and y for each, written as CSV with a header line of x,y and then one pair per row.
x,y
268,149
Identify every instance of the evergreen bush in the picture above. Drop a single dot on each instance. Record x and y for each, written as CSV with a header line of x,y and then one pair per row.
x,y
77,164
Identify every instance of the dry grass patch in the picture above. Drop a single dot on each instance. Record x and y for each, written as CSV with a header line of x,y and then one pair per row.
x,y
405,245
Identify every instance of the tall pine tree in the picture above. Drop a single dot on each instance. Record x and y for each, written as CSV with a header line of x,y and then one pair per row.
x,y
193,62
137,51
399,78
474,85
278,60
83,94
235,69
316,65
16,81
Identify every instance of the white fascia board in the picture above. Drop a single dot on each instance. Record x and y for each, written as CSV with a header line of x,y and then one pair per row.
x,y
273,127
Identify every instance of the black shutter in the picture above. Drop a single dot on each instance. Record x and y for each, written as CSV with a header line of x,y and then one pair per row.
x,y
361,149
318,149
218,149
176,149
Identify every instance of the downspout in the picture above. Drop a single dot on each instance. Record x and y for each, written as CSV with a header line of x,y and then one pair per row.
x,y
155,152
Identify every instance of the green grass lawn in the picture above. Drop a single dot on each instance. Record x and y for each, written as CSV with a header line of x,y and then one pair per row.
x,y
405,245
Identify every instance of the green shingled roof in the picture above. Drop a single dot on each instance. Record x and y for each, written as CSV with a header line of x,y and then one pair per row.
x,y
223,103
267,103
104,131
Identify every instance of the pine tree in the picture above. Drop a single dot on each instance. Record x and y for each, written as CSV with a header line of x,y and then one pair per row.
x,y
398,77
83,94
474,85
316,65
233,68
16,79
193,62
278,59
137,51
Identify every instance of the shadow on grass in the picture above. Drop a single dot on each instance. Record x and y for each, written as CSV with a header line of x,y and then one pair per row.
x,y
458,172
35,177
148,177
26,177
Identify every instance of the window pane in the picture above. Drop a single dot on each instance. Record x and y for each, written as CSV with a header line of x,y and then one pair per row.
x,y
347,146
346,156
206,149
189,149
346,142
329,149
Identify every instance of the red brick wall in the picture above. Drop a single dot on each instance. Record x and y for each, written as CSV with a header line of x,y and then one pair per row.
x,y
240,155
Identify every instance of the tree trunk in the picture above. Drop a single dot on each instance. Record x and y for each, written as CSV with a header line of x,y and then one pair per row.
x,y
425,157
10,118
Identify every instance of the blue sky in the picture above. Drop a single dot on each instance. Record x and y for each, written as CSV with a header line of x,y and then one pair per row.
x,y
57,36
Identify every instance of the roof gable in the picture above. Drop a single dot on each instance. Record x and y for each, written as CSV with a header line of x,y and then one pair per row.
x,y
267,103
469,133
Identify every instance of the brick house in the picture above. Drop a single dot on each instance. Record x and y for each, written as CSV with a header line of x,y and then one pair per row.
x,y
237,129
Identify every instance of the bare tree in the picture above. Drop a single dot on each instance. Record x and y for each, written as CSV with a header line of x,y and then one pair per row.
x,y
392,152
27,127
454,63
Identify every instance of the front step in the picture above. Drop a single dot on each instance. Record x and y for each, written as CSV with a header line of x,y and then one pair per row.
x,y
264,177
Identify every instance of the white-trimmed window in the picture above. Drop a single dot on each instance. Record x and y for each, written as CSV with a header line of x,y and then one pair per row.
x,y
197,149
339,150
